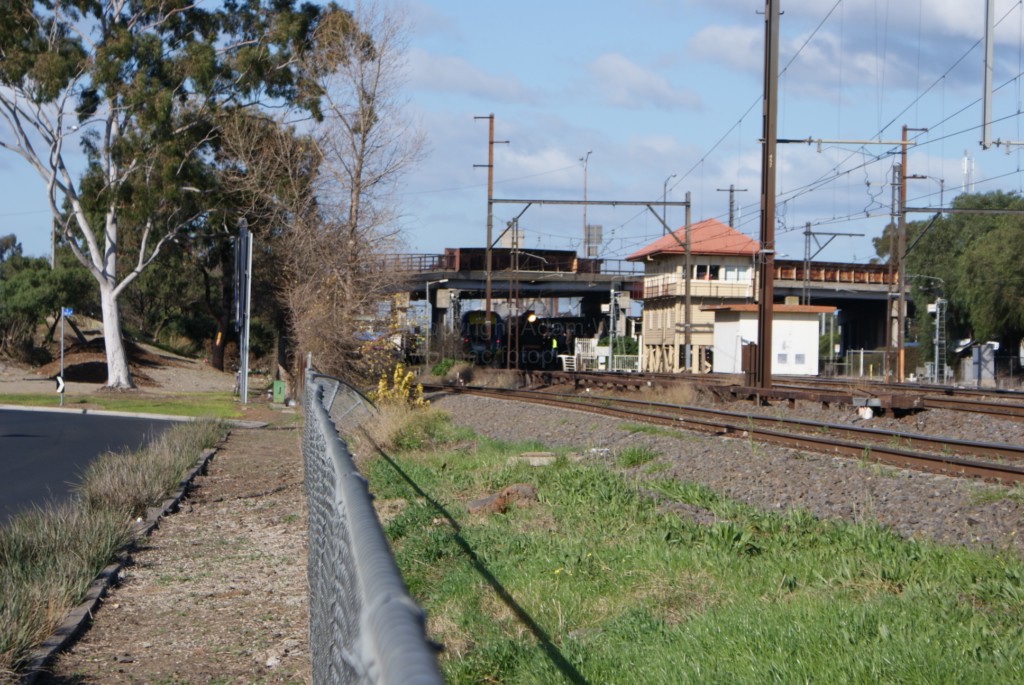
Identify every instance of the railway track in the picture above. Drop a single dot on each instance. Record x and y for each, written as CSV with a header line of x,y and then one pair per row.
x,y
996,402
999,403
989,461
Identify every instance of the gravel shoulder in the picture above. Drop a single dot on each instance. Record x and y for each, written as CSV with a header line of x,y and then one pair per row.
x,y
218,592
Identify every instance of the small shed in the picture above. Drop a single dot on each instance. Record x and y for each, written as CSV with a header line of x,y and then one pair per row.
x,y
795,336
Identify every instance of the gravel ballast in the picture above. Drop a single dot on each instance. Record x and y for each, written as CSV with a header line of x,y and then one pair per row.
x,y
915,504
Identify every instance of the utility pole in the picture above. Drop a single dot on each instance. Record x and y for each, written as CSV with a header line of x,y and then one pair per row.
x,y
901,313
686,294
732,190
766,297
585,158
890,326
490,223
986,100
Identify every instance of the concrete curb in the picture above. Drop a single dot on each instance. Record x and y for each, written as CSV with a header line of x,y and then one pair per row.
x,y
234,423
79,618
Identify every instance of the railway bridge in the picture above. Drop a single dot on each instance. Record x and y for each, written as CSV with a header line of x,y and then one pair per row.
x,y
457,280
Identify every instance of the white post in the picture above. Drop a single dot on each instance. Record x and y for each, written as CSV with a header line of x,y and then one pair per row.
x,y
62,352
611,330
248,309
430,330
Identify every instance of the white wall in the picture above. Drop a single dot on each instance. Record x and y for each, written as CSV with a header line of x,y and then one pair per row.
x,y
794,342
732,331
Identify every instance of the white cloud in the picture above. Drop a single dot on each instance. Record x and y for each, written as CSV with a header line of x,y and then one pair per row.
x,y
424,19
625,84
441,73
736,47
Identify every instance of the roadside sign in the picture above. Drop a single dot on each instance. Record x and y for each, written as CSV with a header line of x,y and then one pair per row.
x,y
60,384
66,311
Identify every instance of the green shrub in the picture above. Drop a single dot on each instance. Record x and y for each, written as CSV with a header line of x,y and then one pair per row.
x,y
442,367
635,456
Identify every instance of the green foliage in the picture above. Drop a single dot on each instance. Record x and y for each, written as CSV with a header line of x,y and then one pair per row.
x,y
826,344
623,344
972,261
597,583
30,291
152,86
634,456
167,301
442,367
431,430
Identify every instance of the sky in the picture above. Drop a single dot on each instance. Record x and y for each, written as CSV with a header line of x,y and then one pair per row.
x,y
653,99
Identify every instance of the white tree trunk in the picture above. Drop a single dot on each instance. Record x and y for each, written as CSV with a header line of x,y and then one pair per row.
x,y
119,376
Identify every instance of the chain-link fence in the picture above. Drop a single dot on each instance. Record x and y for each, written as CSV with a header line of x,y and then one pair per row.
x,y
363,626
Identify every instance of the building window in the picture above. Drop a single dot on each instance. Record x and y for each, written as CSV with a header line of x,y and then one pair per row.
x,y
735,274
800,359
782,358
707,272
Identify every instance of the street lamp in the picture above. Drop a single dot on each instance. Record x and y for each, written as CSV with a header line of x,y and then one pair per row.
x,y
664,198
585,159
430,320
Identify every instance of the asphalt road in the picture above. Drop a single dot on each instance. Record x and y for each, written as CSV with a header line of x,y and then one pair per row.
x,y
43,453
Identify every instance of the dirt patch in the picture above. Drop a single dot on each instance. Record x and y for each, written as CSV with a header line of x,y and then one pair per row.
x,y
218,592
87,363
154,371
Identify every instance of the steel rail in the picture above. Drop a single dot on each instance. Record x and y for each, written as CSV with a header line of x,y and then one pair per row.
x,y
765,429
989,402
1013,411
942,445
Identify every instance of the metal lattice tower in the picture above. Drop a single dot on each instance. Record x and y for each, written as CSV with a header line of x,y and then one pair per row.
x,y
940,340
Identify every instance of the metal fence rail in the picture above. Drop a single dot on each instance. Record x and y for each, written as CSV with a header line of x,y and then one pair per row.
x,y
363,626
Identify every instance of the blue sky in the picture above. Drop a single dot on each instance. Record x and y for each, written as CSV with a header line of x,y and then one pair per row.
x,y
654,88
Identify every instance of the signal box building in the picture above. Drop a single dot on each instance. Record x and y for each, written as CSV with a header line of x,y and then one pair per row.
x,y
722,272
794,337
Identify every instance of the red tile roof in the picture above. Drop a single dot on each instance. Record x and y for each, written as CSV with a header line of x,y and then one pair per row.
x,y
776,308
708,237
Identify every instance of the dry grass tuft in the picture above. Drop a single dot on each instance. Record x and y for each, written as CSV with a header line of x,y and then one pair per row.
x,y
50,556
676,393
499,378
133,481
381,431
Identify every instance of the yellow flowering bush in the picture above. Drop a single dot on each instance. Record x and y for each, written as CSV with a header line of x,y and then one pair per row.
x,y
400,388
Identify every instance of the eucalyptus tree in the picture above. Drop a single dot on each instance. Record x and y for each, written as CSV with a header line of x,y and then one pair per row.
x,y
117,104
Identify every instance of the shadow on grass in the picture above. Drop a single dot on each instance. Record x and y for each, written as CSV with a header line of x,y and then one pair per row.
x,y
553,653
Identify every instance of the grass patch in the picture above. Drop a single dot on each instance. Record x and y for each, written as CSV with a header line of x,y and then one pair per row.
x,y
49,556
987,495
634,456
596,583
218,405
